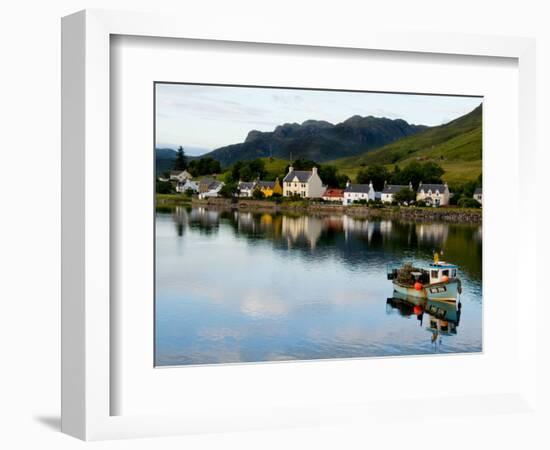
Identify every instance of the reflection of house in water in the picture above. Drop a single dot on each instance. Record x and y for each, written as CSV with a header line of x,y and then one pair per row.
x,y
366,228
385,227
245,222
333,223
181,219
357,226
203,217
436,233
302,227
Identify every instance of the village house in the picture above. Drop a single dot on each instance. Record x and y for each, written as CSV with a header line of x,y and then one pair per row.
x,y
246,188
334,195
205,183
357,192
187,185
433,194
180,175
269,188
212,189
304,183
387,194
478,195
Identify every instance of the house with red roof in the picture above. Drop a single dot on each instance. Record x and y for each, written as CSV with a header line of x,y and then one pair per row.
x,y
333,195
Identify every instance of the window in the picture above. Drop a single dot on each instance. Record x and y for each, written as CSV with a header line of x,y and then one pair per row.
x,y
445,272
434,274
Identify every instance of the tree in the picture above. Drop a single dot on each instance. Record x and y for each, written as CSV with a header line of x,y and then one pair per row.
x,y
164,187
416,172
466,202
248,170
375,173
330,177
257,194
405,195
228,190
302,164
180,163
204,166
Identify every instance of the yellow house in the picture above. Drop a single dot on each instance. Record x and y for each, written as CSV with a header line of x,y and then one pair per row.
x,y
269,188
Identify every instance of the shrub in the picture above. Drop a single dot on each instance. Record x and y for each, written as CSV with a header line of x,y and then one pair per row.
x,y
228,190
405,195
257,194
164,187
466,202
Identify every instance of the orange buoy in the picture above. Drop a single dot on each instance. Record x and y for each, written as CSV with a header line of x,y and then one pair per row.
x,y
417,310
418,286
444,278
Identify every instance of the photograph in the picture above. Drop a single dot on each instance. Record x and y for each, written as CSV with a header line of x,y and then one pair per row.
x,y
296,224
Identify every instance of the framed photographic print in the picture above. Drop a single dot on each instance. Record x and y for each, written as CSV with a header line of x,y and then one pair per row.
x,y
271,229
306,227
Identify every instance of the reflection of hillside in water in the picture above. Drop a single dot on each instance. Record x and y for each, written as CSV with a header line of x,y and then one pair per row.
x,y
351,239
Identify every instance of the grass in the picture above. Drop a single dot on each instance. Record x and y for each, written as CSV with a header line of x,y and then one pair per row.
x,y
172,199
275,166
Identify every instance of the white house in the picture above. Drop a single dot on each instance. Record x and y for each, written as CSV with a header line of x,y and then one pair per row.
x,y
305,183
478,195
356,192
213,190
246,188
187,185
180,175
433,194
391,189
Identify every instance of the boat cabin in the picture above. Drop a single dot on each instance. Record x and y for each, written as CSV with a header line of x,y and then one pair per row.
x,y
441,271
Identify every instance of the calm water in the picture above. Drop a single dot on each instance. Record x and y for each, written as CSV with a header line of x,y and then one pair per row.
x,y
240,287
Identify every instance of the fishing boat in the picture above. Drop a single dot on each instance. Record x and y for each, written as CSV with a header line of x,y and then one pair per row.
x,y
437,280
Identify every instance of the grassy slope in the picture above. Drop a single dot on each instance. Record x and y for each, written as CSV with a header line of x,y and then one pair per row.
x,y
456,146
275,166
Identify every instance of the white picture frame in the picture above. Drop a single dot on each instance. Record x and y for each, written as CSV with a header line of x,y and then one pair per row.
x,y
86,239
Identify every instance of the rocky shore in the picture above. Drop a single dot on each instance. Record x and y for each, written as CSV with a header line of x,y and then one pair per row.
x,y
443,214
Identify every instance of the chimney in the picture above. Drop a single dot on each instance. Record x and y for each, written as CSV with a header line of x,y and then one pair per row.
x,y
290,168
347,183
314,170
410,185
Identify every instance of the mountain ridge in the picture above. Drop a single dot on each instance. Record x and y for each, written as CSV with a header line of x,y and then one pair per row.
x,y
317,140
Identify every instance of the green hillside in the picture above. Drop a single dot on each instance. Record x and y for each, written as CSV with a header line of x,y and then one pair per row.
x,y
456,146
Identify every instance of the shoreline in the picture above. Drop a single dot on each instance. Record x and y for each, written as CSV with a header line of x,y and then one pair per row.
x,y
426,214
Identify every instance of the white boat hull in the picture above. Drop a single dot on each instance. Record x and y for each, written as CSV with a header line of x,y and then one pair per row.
x,y
443,292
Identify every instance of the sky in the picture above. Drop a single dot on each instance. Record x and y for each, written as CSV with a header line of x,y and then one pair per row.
x,y
201,118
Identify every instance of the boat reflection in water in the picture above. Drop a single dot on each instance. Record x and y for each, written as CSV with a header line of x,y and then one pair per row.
x,y
439,318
